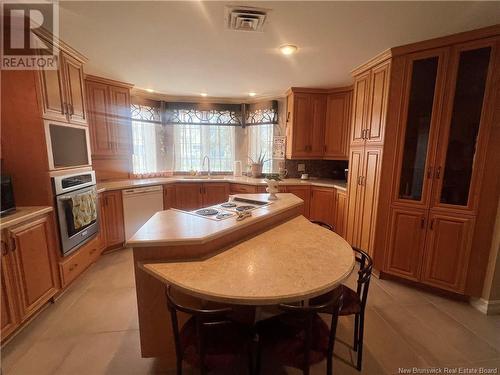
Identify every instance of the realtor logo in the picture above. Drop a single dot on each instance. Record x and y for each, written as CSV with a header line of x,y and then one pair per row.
x,y
28,33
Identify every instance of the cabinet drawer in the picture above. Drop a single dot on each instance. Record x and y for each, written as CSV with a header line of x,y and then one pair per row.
x,y
77,263
243,189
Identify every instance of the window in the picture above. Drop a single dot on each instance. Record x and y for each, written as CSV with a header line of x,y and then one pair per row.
x,y
260,140
192,142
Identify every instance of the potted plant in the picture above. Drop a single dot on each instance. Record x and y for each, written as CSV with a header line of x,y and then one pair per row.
x,y
257,165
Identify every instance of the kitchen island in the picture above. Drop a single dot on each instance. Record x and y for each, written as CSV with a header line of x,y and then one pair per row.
x,y
274,256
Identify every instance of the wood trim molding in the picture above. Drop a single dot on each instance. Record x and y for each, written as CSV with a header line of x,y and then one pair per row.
x,y
59,44
487,307
381,57
107,81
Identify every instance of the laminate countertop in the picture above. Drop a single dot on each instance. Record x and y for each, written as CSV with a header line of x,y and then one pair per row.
x,y
23,214
131,183
176,227
293,261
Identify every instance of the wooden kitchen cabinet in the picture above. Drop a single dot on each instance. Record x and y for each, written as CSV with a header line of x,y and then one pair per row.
x,y
354,195
338,119
63,92
360,108
168,196
215,193
242,189
9,314
304,193
119,98
101,131
340,212
73,265
322,204
188,196
113,218
29,273
407,240
447,250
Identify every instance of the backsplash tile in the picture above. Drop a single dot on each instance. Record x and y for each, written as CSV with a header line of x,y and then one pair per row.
x,y
318,168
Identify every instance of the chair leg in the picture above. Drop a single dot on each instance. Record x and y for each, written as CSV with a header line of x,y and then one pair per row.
x,y
360,340
356,332
179,366
250,360
259,356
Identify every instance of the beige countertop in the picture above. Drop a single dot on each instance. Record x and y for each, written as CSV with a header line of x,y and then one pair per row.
x,y
176,227
125,184
22,214
293,261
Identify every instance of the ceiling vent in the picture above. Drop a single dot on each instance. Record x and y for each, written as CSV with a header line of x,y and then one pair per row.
x,y
243,18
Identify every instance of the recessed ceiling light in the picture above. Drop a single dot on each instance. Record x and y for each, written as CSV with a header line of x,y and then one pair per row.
x,y
252,94
288,49
203,94
150,90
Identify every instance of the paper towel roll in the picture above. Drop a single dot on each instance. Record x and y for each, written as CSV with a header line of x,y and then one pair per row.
x,y
237,169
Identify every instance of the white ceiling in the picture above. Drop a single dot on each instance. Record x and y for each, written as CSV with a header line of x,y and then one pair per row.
x,y
183,48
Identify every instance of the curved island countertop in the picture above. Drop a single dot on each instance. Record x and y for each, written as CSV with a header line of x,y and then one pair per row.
x,y
293,261
176,227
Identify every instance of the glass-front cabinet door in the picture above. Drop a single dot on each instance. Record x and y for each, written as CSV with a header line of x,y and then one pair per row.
x,y
460,154
419,127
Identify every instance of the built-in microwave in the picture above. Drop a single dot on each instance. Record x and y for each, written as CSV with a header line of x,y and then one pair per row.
x,y
68,145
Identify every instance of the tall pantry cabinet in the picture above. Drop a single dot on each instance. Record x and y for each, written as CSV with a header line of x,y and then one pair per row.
x,y
432,210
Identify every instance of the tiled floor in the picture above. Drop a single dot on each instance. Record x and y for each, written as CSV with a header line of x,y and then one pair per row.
x,y
93,329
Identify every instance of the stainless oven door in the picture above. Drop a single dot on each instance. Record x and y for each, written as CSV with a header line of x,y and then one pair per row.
x,y
78,216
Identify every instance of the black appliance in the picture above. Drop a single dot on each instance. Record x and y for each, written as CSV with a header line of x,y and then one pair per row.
x,y
7,195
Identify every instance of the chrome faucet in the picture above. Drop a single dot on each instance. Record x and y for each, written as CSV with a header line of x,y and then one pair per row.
x,y
203,163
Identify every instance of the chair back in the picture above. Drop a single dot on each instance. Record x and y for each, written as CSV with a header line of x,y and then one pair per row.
x,y
204,318
322,224
364,275
307,312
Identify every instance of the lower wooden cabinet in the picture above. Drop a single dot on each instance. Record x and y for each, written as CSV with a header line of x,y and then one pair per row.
x,y
406,243
447,251
168,196
112,215
322,204
215,193
29,273
72,266
340,212
304,193
242,189
188,196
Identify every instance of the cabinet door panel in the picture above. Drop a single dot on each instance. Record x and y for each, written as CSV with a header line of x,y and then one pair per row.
x,y
370,182
322,205
360,108
120,118
302,123
354,195
304,193
378,104
419,131
340,213
75,92
168,196
51,87
113,215
188,196
215,193
9,316
459,159
447,251
99,125
406,243
337,125
317,126
33,249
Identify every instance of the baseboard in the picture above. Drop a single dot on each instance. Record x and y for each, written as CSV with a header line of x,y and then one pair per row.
x,y
486,307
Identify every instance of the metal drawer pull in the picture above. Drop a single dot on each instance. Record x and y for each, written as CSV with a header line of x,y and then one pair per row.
x,y
73,266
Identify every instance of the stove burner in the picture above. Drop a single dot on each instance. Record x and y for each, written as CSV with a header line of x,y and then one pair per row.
x,y
244,208
207,212
228,205
223,216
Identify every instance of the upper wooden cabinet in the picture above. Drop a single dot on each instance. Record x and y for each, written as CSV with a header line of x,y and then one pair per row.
x,y
338,120
29,273
62,91
371,90
109,116
317,123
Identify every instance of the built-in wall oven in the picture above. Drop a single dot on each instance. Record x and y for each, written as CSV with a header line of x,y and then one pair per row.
x,y
77,209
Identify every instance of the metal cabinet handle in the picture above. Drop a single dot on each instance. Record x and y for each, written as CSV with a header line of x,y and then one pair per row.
x,y
438,172
5,248
71,112
422,223
64,108
12,244
73,266
429,172
432,224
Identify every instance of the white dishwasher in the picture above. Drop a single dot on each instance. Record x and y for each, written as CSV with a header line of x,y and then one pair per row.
x,y
139,204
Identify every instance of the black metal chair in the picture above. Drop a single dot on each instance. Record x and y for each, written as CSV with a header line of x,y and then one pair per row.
x,y
209,339
299,337
355,301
